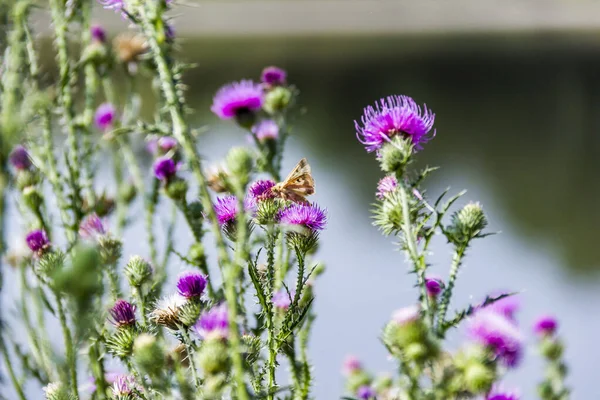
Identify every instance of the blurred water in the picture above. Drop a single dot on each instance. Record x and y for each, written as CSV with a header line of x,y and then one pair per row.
x,y
516,126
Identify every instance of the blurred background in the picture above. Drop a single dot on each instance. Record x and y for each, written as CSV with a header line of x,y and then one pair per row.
x,y
515,85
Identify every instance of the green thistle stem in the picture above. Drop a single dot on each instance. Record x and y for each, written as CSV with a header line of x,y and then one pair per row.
x,y
189,349
69,347
447,294
11,372
272,384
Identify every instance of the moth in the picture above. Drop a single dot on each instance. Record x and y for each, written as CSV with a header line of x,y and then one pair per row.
x,y
298,184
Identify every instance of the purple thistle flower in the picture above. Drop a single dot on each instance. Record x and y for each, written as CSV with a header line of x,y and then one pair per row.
x,y
105,116
266,129
37,241
391,116
351,365
191,284
19,158
304,215
365,392
164,168
167,143
545,326
123,386
122,314
386,186
237,98
407,315
261,190
226,209
273,76
91,227
499,334
507,306
98,33
497,393
434,286
214,323
282,300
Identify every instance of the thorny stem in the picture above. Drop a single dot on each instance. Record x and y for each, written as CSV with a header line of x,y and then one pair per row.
x,y
68,340
189,349
139,294
411,245
66,105
11,371
447,295
182,134
271,238
113,279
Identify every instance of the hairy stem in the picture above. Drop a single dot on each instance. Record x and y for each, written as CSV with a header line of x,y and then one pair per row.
x,y
11,372
69,347
447,295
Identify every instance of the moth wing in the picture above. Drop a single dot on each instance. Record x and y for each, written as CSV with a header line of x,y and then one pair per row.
x,y
300,180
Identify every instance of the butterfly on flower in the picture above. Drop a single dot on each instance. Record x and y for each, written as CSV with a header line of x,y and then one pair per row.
x,y
298,184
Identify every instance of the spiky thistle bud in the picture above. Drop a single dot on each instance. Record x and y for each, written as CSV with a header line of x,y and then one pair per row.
x,y
467,224
33,198
111,249
240,163
57,391
213,357
278,99
148,354
138,271
395,155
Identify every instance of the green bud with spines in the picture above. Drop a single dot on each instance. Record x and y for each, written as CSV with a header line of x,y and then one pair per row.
x,y
479,378
128,192
138,271
356,380
239,162
120,343
110,249
177,189
551,348
252,346
50,263
27,178
277,99
189,312
33,198
213,357
266,211
394,156
214,385
197,255
57,391
148,354
467,224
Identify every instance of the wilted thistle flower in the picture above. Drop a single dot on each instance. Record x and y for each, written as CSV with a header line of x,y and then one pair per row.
x,y
273,76
467,224
91,227
261,190
37,241
434,286
266,129
498,393
98,33
122,314
166,312
138,271
105,116
545,325
214,323
366,392
164,168
238,100
351,365
191,284
395,115
282,299
498,334
19,158
303,217
386,186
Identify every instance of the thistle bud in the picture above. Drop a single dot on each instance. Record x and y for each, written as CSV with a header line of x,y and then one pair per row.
x,y
395,155
382,383
177,189
357,380
33,198
138,271
56,391
551,348
213,357
253,346
120,343
148,354
197,255
110,249
189,312
128,192
95,53
479,378
214,385
467,224
27,178
277,99
240,163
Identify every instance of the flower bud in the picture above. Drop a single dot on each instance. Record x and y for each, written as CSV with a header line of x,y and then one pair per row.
x,y
395,155
213,357
27,178
253,346
551,348
479,378
138,271
383,383
356,380
467,224
148,354
32,198
189,312
56,391
128,192
277,99
120,343
177,189
197,255
214,385
110,249
240,163
95,53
